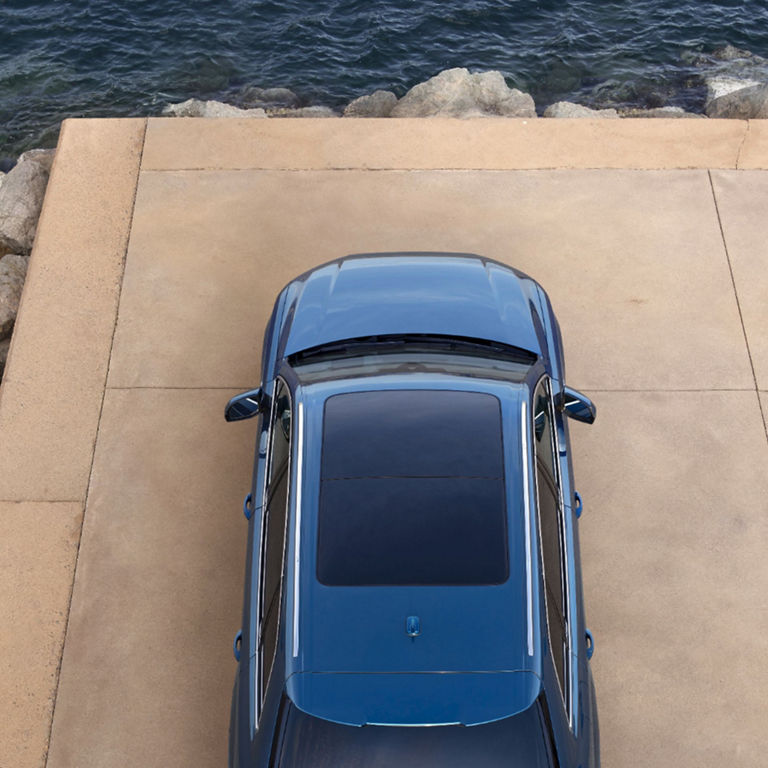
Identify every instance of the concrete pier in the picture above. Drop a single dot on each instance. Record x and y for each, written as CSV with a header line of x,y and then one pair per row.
x,y
160,249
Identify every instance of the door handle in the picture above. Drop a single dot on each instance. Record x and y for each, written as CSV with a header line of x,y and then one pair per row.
x,y
247,510
590,643
579,504
236,645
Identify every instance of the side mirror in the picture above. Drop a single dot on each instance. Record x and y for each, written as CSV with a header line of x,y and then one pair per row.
x,y
576,405
245,405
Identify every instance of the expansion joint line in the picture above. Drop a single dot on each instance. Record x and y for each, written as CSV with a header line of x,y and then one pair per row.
x,y
738,304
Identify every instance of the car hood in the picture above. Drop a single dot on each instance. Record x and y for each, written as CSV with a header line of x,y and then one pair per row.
x,y
432,698
456,295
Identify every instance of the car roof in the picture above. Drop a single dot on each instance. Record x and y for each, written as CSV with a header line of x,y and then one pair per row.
x,y
445,294
347,646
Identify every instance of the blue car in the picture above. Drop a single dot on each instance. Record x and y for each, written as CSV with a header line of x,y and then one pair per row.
x,y
413,590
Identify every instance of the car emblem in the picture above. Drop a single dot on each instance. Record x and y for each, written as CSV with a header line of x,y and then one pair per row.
x,y
413,626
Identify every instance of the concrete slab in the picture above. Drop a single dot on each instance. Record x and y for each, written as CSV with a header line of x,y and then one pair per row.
x,y
38,551
754,150
742,199
674,535
418,143
158,593
633,261
51,393
675,527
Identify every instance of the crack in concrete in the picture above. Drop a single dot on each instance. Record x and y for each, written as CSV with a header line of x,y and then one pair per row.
x,y
741,146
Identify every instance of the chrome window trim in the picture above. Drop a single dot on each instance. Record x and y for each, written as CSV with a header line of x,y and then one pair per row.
x,y
259,673
554,446
297,531
527,513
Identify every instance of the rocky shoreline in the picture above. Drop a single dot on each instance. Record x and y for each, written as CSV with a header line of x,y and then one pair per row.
x,y
21,197
736,82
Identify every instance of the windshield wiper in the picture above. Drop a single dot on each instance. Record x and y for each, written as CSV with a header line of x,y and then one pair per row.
x,y
383,344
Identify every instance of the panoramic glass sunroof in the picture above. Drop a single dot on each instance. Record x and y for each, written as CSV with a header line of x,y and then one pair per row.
x,y
412,489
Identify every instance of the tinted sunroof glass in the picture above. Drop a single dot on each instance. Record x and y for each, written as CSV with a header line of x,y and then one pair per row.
x,y
412,489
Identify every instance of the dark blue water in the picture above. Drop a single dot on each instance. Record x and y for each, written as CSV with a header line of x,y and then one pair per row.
x,y
104,57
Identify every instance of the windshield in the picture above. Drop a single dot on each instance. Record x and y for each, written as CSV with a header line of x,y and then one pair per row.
x,y
514,742
377,355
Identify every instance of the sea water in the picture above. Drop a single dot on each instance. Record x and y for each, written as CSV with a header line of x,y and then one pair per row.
x,y
110,58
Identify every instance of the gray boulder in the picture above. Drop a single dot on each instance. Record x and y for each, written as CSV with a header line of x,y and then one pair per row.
x,y
728,70
569,109
457,93
376,104
722,85
744,104
42,156
2,176
21,198
198,108
13,270
252,96
4,346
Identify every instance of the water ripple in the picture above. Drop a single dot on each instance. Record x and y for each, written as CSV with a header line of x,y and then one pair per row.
x,y
104,57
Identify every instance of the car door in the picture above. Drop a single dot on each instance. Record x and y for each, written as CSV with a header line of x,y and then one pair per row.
x,y
585,708
267,511
556,559
273,537
573,714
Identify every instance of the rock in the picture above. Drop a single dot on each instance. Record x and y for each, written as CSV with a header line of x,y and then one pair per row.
x,y
2,176
664,112
728,54
744,104
569,109
376,104
198,108
728,70
21,197
251,96
13,270
722,85
731,52
457,93
42,156
304,112
4,347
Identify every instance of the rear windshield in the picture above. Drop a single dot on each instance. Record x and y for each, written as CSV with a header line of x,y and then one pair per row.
x,y
515,742
412,490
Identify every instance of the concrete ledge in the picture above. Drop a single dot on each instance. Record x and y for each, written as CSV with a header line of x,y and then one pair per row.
x,y
38,551
54,379
439,143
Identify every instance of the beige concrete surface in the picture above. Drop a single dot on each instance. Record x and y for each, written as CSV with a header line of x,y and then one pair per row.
x,y
753,154
148,669
673,473
633,261
51,393
673,537
419,143
742,199
38,550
